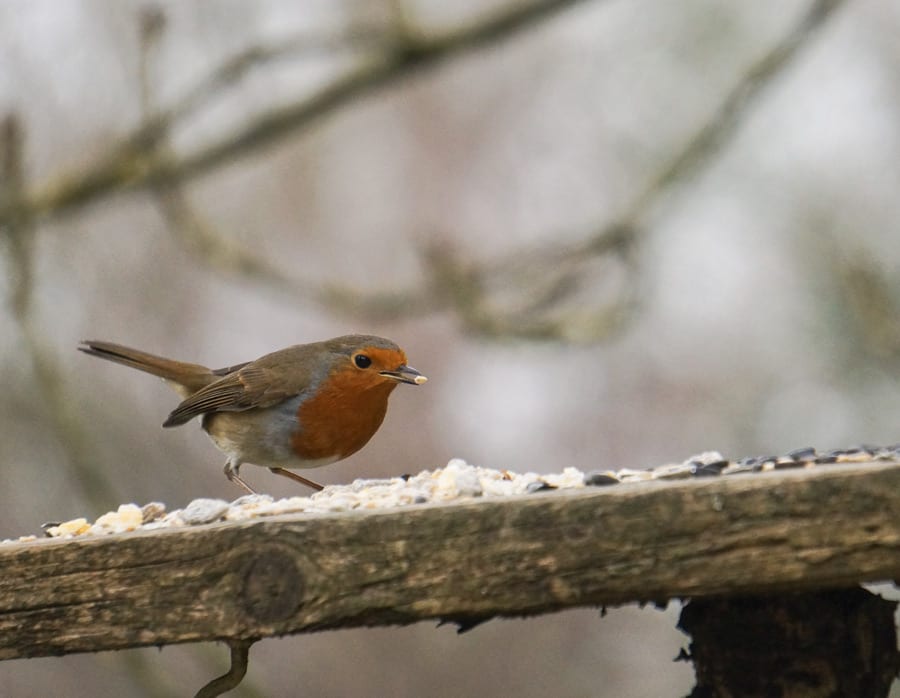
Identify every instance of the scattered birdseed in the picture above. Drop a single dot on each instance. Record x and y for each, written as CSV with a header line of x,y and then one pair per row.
x,y
458,480
202,511
127,517
152,511
75,527
598,478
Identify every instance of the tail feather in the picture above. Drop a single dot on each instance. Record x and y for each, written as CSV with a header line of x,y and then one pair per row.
x,y
185,378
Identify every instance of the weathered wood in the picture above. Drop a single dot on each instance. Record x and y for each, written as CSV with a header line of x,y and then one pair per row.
x,y
827,527
812,645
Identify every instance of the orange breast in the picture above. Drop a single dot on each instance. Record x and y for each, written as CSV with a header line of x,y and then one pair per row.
x,y
342,416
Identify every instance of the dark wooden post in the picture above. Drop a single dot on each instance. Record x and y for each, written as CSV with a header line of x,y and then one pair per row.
x,y
826,644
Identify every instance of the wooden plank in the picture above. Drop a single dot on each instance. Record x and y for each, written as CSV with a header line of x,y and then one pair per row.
x,y
831,526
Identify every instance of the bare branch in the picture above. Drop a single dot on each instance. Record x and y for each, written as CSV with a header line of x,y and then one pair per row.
x,y
546,276
541,286
17,231
724,123
136,162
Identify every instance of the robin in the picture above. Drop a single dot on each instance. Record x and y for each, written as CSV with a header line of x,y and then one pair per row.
x,y
300,407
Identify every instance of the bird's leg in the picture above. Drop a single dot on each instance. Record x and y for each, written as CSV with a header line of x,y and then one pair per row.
x,y
297,478
231,472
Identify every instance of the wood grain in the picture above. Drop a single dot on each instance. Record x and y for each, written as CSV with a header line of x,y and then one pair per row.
x,y
827,527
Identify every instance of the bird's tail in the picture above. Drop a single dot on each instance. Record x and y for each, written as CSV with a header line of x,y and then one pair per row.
x,y
185,378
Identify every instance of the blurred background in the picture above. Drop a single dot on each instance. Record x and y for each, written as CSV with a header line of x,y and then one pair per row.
x,y
612,233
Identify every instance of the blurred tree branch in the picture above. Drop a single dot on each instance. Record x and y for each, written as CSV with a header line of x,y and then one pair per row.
x,y
710,138
532,294
17,237
137,162
540,281
861,305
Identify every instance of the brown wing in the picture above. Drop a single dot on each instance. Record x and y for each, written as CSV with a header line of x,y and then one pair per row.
x,y
230,369
265,382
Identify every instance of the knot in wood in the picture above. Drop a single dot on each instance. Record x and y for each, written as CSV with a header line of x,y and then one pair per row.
x,y
272,586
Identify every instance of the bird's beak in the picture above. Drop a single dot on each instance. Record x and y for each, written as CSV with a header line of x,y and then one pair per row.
x,y
405,374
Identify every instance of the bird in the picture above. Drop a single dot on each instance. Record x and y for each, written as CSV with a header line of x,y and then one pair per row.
x,y
301,407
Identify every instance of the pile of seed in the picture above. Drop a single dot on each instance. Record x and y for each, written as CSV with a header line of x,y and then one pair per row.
x,y
458,480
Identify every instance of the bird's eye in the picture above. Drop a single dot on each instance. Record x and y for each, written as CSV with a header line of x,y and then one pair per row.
x,y
362,361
